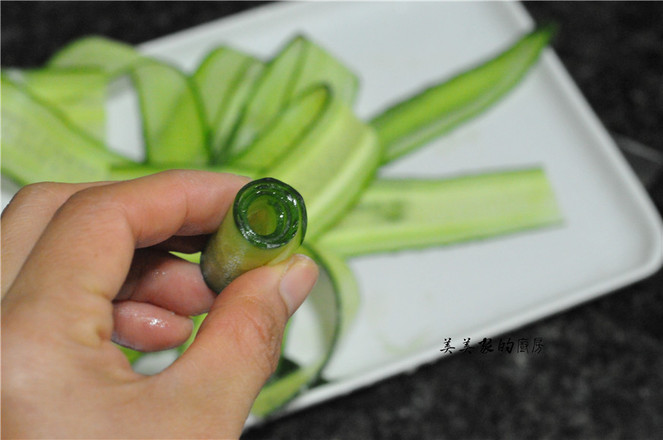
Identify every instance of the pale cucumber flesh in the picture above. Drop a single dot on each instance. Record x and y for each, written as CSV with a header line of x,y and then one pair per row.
x,y
397,214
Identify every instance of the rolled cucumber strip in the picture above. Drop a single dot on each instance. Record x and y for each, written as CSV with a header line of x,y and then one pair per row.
x,y
266,224
398,214
441,108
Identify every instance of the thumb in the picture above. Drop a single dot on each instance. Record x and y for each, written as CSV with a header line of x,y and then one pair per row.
x,y
238,346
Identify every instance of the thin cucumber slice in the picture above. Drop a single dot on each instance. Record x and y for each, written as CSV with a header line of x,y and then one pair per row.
x,y
224,79
402,214
331,165
299,66
336,298
40,144
411,123
266,224
173,124
270,93
80,94
216,77
286,130
111,56
344,282
320,67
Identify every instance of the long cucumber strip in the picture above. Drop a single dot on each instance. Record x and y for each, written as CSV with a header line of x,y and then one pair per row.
x,y
286,129
320,67
397,214
173,124
80,94
268,97
32,131
411,123
111,56
299,66
266,224
336,298
224,79
217,75
331,165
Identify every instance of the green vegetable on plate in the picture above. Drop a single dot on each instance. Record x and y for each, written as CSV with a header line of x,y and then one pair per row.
x,y
287,122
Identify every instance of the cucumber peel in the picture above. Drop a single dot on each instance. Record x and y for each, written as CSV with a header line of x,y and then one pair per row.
x,y
437,110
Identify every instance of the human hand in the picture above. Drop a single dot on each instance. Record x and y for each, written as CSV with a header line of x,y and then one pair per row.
x,y
86,264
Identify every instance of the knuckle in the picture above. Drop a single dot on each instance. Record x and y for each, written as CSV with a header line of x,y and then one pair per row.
x,y
92,201
258,331
38,193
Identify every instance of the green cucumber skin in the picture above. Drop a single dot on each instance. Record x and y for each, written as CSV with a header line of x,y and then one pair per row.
x,y
394,215
435,111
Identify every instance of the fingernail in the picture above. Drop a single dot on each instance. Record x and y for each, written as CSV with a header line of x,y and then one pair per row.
x,y
297,281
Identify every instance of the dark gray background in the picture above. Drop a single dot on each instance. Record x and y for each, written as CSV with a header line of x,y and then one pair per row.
x,y
600,374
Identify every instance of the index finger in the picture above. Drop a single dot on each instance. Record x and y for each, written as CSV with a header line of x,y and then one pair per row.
x,y
85,252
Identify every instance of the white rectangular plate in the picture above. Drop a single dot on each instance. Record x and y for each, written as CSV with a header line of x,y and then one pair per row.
x,y
412,301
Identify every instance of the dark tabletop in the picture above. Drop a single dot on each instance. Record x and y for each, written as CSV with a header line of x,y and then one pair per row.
x,y
600,374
